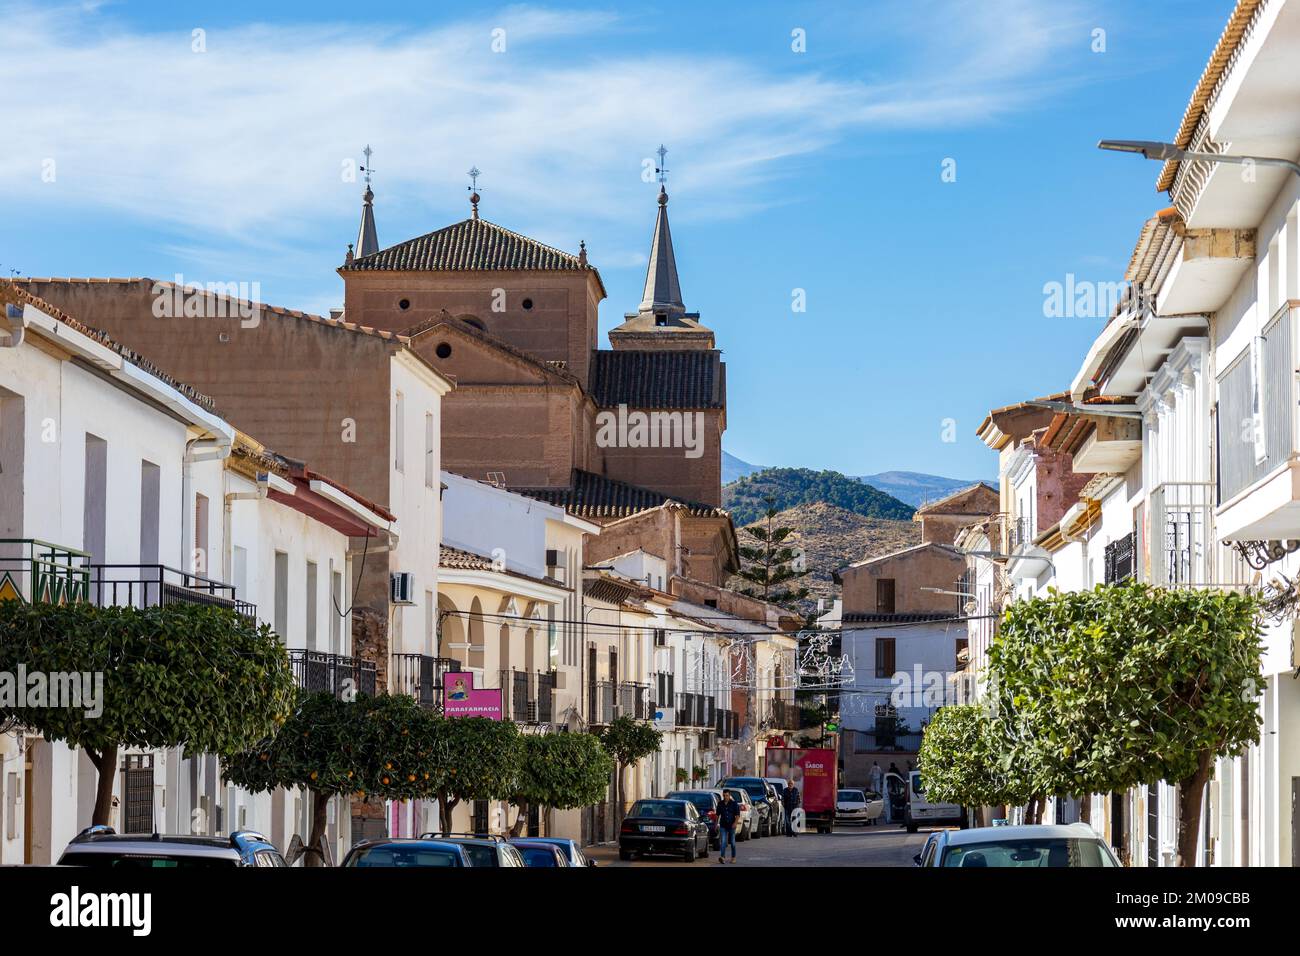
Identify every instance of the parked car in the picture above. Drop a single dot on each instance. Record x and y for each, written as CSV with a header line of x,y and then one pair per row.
x,y
706,802
779,785
922,858
539,854
666,827
745,824
920,811
396,852
1052,845
765,801
851,807
483,850
101,846
572,851
875,807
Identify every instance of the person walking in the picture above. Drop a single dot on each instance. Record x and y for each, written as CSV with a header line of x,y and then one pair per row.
x,y
728,816
791,800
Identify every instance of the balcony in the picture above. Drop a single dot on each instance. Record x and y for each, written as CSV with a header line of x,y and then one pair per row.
x,y
726,724
607,700
783,715
420,676
527,697
45,572
151,585
319,672
1179,541
1258,453
1020,534
696,710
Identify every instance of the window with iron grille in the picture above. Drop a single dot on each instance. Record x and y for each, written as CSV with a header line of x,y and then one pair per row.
x,y
137,792
480,816
1118,559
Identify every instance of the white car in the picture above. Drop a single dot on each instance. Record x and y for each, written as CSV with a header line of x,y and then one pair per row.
x,y
1069,845
920,810
853,806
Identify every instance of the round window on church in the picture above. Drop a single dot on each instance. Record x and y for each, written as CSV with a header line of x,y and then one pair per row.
x,y
443,350
528,305
404,304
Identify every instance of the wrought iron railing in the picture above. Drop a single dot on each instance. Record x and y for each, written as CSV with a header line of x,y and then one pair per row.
x,y
41,571
607,700
420,676
317,672
696,710
528,697
1020,533
1118,559
600,702
150,585
783,714
1179,542
726,724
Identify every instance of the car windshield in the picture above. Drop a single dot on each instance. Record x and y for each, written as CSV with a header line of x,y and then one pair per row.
x,y
658,808
1054,852
142,862
852,796
398,855
538,856
754,788
702,801
481,855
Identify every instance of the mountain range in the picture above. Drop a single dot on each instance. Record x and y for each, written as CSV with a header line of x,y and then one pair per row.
x,y
911,487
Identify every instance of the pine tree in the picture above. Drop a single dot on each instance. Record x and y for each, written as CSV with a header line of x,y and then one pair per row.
x,y
770,563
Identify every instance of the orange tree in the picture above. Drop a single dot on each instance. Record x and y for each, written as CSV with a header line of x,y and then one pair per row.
x,y
561,771
1102,690
479,759
179,675
385,746
627,741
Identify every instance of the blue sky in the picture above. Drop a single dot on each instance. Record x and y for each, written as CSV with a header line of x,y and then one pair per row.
x,y
818,170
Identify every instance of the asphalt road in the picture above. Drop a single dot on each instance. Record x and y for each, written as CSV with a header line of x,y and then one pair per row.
x,y
848,846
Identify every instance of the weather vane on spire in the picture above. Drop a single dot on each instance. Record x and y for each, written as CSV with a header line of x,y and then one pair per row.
x,y
473,175
661,170
367,169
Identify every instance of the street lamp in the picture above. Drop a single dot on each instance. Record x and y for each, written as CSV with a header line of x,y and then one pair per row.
x,y
1168,151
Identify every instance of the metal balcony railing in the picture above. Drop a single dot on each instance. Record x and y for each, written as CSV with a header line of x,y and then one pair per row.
x,y
600,702
607,700
150,585
528,697
726,724
1179,542
317,672
783,715
696,710
1020,533
45,572
420,676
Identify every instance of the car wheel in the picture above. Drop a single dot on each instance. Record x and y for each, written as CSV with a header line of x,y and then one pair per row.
x,y
625,854
689,856
705,854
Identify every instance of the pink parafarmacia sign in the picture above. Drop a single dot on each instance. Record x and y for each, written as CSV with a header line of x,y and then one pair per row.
x,y
461,699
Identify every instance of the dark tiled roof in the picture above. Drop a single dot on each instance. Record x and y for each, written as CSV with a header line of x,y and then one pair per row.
x,y
900,618
658,379
470,245
614,592
459,559
595,496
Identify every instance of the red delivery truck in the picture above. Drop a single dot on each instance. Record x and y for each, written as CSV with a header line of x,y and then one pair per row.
x,y
815,771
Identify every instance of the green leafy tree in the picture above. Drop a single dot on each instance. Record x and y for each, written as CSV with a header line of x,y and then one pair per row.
x,y
628,740
960,761
480,761
560,771
1124,685
770,565
201,678
386,747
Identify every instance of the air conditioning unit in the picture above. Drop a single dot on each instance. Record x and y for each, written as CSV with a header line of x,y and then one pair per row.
x,y
661,637
401,587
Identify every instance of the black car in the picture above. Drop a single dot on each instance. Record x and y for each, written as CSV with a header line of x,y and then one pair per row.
x,y
406,853
669,827
706,802
540,854
100,846
766,803
483,850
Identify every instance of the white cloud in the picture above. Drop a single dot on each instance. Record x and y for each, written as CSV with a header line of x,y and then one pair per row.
x,y
243,144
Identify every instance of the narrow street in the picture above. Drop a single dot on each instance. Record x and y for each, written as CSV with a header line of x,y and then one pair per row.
x,y
869,846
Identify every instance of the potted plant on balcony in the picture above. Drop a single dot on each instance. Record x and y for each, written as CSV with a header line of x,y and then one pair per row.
x,y
698,774
192,676
681,775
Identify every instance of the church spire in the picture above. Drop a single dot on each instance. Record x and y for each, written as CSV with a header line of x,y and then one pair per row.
x,y
663,291
367,236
